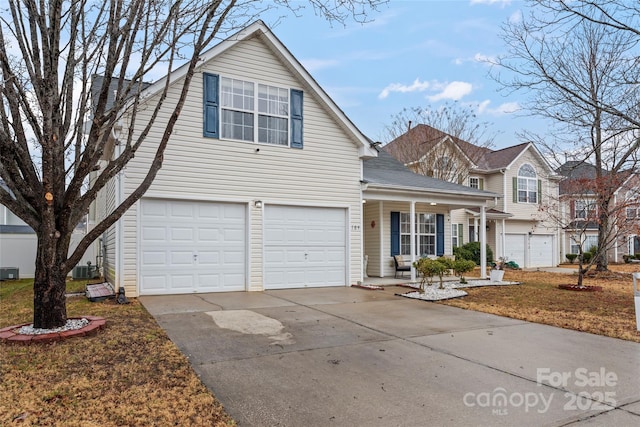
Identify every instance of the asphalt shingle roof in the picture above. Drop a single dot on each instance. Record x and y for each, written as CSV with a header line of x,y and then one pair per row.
x,y
387,171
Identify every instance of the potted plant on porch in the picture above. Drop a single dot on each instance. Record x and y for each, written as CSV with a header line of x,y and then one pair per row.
x,y
497,270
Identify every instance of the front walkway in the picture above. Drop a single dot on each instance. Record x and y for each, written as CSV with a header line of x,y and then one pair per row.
x,y
348,356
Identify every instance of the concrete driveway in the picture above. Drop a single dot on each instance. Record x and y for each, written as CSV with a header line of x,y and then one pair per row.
x,y
354,357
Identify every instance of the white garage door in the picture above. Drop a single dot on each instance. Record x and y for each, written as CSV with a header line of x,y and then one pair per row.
x,y
304,247
190,247
541,250
515,248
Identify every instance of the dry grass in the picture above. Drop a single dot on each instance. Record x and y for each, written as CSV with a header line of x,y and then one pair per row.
x,y
538,299
130,373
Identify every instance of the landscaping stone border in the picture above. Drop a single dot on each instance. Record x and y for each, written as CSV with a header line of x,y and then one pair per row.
x,y
11,336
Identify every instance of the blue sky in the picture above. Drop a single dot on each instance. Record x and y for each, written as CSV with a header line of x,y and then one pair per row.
x,y
414,53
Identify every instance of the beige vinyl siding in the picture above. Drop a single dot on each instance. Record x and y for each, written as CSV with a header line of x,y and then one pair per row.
x,y
526,210
325,173
106,203
372,212
372,243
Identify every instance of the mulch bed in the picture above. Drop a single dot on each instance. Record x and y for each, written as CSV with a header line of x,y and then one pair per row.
x,y
582,288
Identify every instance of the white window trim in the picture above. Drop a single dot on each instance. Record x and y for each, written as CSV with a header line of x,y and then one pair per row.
x,y
418,233
255,112
527,181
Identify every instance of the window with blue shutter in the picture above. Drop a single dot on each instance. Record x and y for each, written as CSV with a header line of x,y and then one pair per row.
x,y
211,106
395,233
439,234
296,118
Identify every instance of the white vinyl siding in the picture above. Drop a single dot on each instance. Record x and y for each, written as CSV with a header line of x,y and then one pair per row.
x,y
325,173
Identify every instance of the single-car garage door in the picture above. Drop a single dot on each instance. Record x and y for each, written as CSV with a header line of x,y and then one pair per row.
x,y
188,246
541,250
304,247
515,248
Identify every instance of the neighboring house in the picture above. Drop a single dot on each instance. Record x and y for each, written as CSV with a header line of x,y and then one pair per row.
x,y
18,243
262,186
581,217
516,228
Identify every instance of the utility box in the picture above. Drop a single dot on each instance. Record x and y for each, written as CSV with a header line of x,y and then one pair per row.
x,y
9,273
84,272
636,297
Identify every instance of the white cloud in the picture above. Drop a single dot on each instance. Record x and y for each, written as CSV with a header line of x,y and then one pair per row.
x,y
502,3
502,109
416,86
516,17
478,57
454,91
482,58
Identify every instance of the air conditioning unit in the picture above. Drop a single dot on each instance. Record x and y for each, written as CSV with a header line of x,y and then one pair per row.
x,y
84,272
9,273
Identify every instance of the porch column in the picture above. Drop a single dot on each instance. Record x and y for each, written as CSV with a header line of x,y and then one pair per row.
x,y
381,238
483,243
412,240
504,238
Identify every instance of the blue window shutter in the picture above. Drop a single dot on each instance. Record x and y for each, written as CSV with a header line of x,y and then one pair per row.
x,y
395,233
296,118
439,234
211,106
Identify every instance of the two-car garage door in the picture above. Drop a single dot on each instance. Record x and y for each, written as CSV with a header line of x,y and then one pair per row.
x,y
193,246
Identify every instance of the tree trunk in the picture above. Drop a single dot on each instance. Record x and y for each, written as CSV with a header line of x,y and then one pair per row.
x,y
602,262
49,296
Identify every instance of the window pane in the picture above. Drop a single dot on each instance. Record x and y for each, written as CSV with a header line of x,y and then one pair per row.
x,y
237,125
527,171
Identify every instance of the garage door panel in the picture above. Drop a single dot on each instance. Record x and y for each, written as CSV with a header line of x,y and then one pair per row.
x,y
208,258
182,234
154,258
158,234
180,258
203,247
208,235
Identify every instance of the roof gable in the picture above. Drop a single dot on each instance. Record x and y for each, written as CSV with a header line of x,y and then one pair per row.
x,y
260,30
418,141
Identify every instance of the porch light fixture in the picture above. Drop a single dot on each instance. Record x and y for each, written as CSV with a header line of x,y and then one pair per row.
x,y
433,203
258,204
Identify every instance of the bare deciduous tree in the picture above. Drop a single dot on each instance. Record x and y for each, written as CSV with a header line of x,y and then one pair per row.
x,y
579,64
443,142
49,52
576,211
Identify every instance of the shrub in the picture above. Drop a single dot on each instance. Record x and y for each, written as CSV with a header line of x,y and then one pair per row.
x,y
461,266
571,257
471,251
586,257
429,268
627,258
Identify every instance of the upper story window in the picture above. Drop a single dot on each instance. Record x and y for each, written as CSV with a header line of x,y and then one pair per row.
x,y
254,112
633,204
527,184
585,209
475,182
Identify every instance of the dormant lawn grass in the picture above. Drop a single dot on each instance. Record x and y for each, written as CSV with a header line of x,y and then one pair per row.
x,y
538,299
129,374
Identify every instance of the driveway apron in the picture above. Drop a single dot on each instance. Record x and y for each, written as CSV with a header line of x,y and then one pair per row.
x,y
355,357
